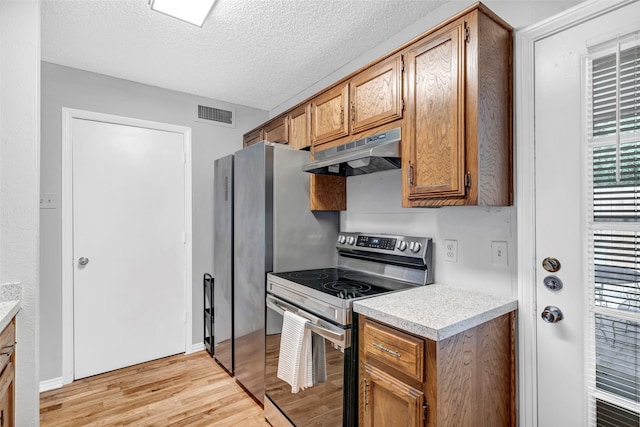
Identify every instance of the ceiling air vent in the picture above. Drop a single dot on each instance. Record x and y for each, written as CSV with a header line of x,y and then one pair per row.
x,y
215,116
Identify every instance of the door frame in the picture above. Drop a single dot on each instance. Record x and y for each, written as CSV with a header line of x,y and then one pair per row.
x,y
525,191
68,114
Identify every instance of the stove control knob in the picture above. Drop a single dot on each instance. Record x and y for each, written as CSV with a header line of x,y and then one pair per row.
x,y
402,245
415,247
341,239
351,240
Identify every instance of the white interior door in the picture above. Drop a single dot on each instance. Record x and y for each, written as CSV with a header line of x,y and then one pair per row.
x,y
562,210
129,225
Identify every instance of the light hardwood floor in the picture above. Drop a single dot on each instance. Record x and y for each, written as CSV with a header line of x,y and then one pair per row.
x,y
183,390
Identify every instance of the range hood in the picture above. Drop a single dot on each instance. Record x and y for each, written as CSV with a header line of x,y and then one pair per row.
x,y
374,153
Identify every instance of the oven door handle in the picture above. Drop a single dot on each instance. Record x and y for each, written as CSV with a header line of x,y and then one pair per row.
x,y
280,307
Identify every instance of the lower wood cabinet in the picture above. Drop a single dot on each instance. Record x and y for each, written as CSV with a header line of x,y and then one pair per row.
x,y
7,375
467,379
389,401
7,396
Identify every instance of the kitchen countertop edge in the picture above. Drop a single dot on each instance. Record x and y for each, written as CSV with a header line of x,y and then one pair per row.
x,y
8,309
10,296
399,310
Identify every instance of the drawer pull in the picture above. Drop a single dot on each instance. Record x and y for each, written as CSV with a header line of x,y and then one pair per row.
x,y
383,348
8,350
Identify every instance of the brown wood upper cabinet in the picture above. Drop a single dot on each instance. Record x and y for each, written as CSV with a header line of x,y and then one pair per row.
x,y
300,127
277,130
451,92
252,137
330,115
371,98
375,95
457,135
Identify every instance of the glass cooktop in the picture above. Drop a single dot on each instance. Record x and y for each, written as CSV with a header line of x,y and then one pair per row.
x,y
344,283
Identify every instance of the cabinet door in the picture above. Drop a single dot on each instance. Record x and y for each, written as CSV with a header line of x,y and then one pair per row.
x,y
300,127
329,113
277,130
375,95
7,396
387,401
434,156
252,137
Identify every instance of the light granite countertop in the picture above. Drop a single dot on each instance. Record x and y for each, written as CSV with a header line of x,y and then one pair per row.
x,y
435,311
10,295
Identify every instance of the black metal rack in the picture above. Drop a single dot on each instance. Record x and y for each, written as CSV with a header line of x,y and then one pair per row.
x,y
207,285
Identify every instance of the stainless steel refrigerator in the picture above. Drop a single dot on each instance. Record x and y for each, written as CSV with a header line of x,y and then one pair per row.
x,y
273,230
223,262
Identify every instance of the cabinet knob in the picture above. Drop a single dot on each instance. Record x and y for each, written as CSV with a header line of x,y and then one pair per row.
x,y
83,261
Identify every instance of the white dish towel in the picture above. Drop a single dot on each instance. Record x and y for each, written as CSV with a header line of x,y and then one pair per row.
x,y
295,363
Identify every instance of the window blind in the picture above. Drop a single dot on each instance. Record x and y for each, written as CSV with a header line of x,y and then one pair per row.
x,y
613,120
607,75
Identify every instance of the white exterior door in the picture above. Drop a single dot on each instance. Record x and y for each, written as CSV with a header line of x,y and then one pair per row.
x,y
129,228
564,231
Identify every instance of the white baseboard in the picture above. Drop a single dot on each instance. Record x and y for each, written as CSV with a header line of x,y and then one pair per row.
x,y
197,347
51,384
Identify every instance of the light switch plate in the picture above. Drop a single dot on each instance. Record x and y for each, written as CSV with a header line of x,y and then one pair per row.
x,y
48,201
499,254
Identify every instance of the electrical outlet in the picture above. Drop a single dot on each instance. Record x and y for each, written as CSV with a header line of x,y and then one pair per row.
x,y
499,253
451,250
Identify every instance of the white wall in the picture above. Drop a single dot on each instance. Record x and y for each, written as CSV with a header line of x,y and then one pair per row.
x,y
72,88
19,183
374,205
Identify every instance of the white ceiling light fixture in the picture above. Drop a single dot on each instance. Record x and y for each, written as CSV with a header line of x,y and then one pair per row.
x,y
192,11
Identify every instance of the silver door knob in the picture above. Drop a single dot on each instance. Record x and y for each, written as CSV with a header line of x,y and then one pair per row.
x,y
552,314
83,261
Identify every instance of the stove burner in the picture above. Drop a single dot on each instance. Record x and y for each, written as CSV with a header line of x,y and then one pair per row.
x,y
309,275
347,286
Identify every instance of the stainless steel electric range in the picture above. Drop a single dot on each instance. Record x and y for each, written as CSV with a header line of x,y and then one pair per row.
x,y
368,265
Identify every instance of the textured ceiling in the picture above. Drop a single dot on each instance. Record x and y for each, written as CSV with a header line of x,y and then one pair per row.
x,y
257,53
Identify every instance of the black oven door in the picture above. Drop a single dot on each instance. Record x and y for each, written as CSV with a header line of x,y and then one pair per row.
x,y
324,403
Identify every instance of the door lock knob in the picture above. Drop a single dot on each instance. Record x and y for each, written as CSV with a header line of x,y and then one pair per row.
x,y
552,314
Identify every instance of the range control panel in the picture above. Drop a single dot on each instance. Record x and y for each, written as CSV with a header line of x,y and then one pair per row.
x,y
415,247
386,243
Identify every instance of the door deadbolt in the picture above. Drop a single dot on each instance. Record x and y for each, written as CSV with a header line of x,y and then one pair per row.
x,y
552,314
551,264
83,261
553,283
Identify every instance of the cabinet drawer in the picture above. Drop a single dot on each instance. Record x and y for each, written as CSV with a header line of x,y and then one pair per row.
x,y
7,341
394,348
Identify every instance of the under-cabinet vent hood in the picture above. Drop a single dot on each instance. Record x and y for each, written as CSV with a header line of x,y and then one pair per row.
x,y
374,153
